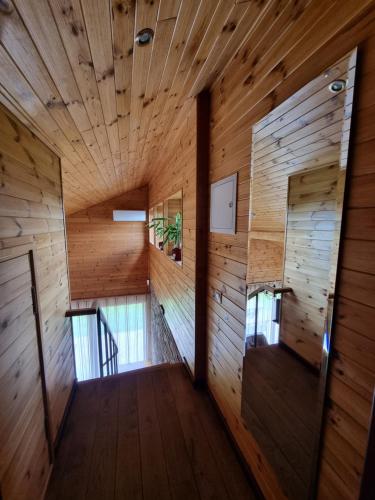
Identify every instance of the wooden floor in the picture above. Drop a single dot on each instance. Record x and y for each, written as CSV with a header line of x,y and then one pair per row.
x,y
145,435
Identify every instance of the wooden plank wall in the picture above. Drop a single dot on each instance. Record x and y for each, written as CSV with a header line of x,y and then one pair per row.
x,y
108,258
23,441
310,254
289,47
31,211
174,285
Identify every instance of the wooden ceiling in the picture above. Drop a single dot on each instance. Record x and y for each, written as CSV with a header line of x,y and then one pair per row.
x,y
70,71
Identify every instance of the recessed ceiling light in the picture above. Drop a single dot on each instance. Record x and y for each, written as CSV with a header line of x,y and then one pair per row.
x,y
5,7
337,86
144,36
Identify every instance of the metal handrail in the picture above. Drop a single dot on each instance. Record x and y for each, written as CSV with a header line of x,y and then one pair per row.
x,y
110,362
270,289
111,349
273,291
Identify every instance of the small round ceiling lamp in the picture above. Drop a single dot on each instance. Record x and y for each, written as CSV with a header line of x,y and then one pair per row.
x,y
144,37
337,86
5,7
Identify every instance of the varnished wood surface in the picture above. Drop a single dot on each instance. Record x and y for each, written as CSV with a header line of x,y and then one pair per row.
x,y
312,235
290,46
175,285
107,258
72,72
145,435
31,213
24,450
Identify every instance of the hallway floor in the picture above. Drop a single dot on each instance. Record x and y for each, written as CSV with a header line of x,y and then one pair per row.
x,y
146,434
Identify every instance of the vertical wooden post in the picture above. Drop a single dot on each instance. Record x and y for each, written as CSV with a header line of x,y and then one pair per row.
x,y
202,228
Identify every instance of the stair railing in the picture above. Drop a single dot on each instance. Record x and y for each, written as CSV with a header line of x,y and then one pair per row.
x,y
107,347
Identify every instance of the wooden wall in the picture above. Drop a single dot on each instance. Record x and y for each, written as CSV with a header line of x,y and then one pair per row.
x,y
287,48
108,258
31,212
174,285
312,231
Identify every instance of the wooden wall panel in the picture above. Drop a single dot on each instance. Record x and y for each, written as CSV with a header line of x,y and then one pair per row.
x,y
174,285
22,410
108,258
269,67
31,212
312,236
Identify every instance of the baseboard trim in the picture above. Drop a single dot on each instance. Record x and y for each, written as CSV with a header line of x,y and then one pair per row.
x,y
60,432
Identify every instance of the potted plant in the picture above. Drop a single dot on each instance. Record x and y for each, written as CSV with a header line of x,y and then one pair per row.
x,y
158,224
170,232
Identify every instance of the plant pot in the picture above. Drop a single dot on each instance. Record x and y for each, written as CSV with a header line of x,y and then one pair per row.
x,y
160,245
176,254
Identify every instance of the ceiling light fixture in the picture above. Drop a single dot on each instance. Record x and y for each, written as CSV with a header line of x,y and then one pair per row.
x,y
337,86
144,37
5,7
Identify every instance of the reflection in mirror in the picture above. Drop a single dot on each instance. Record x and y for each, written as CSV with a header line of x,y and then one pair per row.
x,y
173,227
299,161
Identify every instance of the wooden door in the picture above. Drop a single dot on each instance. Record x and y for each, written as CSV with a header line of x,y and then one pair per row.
x,y
24,450
312,236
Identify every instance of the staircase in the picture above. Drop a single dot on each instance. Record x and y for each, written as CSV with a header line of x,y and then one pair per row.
x,y
101,345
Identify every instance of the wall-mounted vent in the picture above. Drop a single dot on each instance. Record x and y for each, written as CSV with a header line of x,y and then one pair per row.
x,y
129,215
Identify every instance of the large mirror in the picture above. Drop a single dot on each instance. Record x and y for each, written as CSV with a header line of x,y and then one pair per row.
x,y
298,172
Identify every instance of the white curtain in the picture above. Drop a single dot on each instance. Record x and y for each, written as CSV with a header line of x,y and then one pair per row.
x,y
128,320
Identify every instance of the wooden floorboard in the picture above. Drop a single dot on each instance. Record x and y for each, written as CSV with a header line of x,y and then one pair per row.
x,y
147,434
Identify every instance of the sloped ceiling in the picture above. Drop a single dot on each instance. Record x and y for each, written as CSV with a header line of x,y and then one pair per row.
x,y
69,69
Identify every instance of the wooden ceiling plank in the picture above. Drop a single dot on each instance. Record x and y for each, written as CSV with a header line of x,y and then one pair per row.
x,y
198,30
274,18
146,16
163,38
20,47
41,26
97,15
220,23
186,16
215,29
123,20
34,107
233,32
38,18
168,9
310,40
70,24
